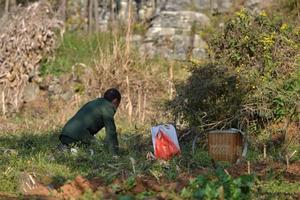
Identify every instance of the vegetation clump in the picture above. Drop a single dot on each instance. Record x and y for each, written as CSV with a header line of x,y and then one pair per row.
x,y
219,186
251,81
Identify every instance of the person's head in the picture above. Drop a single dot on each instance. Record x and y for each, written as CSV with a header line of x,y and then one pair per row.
x,y
114,96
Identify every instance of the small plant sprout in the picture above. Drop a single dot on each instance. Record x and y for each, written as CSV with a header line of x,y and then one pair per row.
x,y
287,161
133,162
249,167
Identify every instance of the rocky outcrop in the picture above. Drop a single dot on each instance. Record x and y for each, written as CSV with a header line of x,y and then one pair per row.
x,y
172,23
171,35
200,5
171,28
257,5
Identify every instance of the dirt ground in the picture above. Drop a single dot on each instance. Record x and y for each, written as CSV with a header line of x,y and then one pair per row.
x,y
80,185
262,168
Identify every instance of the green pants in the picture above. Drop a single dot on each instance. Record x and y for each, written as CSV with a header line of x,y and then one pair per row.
x,y
70,141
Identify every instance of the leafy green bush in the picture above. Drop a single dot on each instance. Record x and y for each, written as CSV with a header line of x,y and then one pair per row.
x,y
210,94
219,186
252,80
202,158
264,53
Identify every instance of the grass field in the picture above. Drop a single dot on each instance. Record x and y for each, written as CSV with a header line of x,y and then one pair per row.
x,y
31,167
132,175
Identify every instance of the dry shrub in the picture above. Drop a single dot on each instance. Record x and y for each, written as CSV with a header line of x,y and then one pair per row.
x,y
252,82
142,87
27,35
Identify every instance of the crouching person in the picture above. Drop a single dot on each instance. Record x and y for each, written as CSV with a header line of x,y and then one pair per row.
x,y
90,119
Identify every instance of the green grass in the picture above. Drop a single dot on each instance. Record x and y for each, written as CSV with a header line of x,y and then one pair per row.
x,y
31,153
278,190
278,186
82,48
35,153
76,47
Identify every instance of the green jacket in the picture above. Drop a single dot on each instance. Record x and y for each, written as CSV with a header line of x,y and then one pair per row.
x,y
91,118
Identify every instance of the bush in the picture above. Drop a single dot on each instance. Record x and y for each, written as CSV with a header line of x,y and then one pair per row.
x,y
212,93
219,186
265,53
252,81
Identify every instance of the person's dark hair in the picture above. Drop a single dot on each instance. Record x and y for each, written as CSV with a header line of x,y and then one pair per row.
x,y
112,94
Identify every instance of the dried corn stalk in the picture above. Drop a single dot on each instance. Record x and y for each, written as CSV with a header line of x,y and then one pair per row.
x,y
26,36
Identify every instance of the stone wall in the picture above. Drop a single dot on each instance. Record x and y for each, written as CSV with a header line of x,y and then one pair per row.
x,y
171,32
171,23
171,35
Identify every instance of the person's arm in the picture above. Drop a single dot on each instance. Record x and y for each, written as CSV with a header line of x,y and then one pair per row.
x,y
110,129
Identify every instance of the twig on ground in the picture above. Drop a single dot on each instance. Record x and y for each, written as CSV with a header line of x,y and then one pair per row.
x,y
133,164
293,154
187,133
287,159
226,172
154,174
9,169
249,167
150,156
112,166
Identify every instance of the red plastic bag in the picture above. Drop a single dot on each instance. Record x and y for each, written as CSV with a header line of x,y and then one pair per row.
x,y
164,146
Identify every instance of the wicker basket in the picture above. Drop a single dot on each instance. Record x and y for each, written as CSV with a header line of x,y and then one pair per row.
x,y
225,145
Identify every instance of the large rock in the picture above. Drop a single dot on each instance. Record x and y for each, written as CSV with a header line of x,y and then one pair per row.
x,y
175,5
171,35
257,5
199,48
172,47
221,6
215,5
173,22
180,19
30,92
